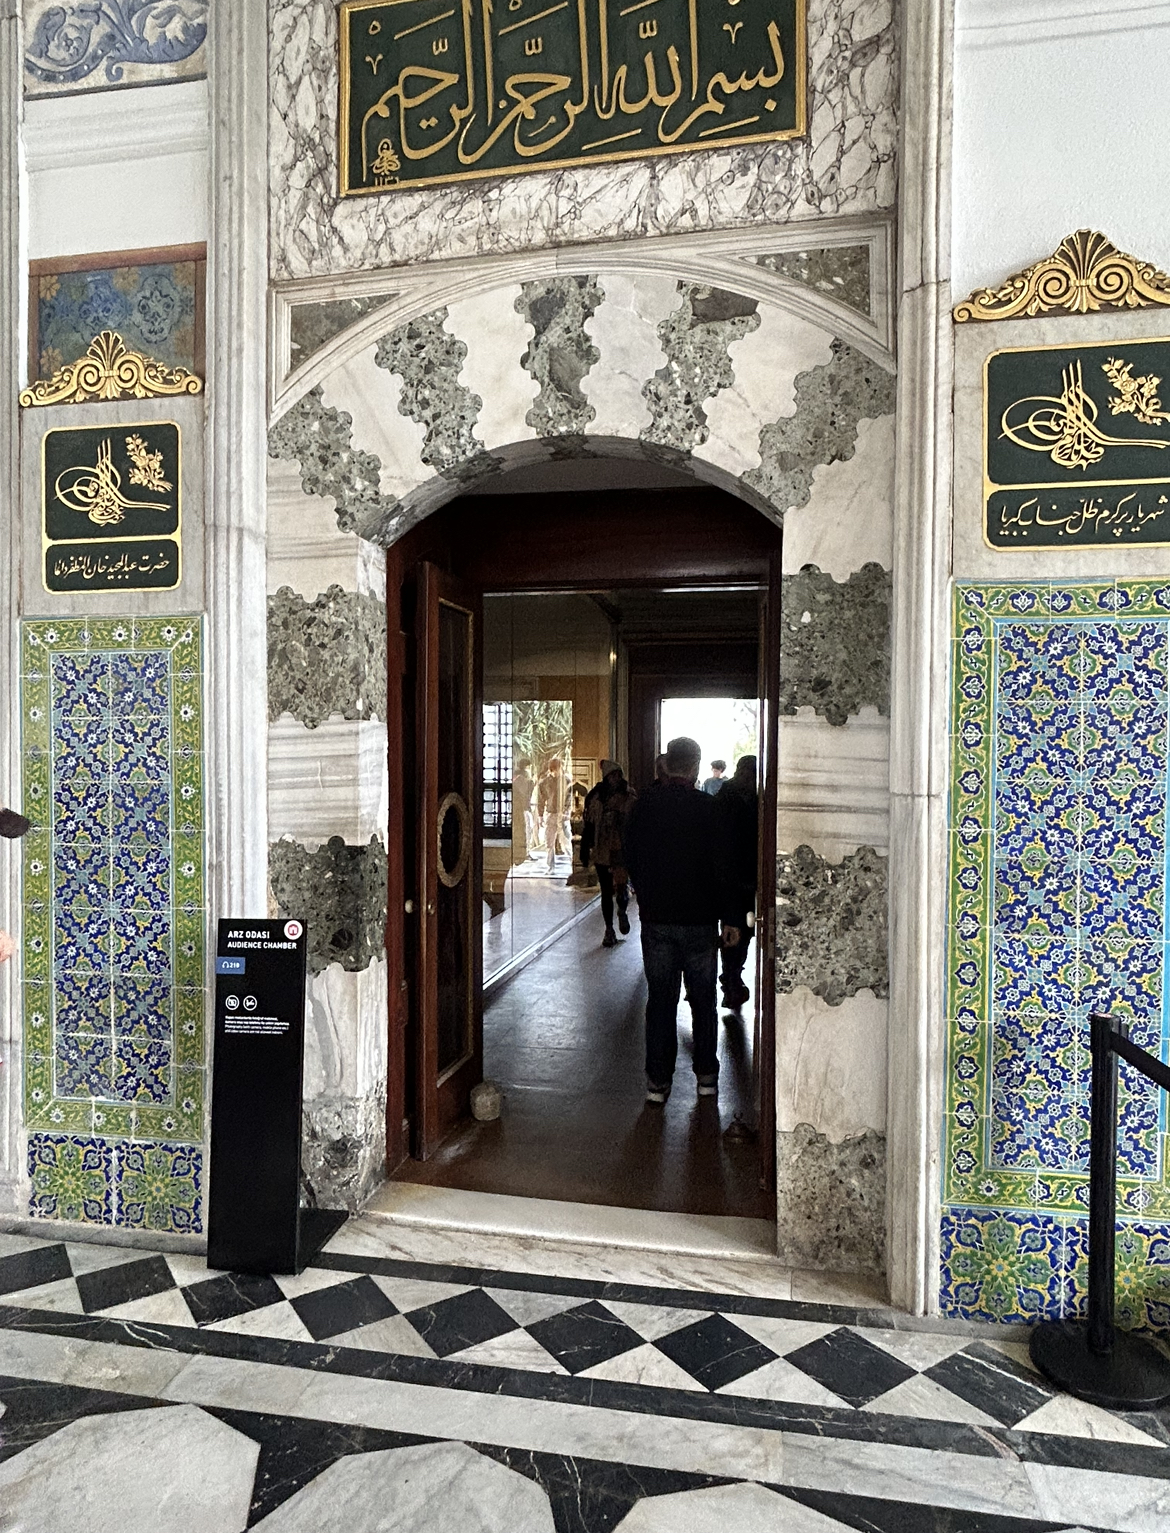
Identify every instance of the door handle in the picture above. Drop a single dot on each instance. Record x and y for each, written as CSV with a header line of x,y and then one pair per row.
x,y
430,907
409,907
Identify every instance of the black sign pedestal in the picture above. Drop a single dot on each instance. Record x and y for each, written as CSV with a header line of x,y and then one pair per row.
x,y
255,1221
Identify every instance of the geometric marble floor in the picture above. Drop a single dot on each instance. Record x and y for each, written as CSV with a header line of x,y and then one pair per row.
x,y
141,1393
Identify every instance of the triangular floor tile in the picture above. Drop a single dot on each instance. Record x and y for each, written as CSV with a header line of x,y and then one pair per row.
x,y
395,1334
528,1308
1066,1417
644,1365
188,1270
1017,1351
414,1293
515,1349
60,1296
312,1280
168,1308
782,1336
917,1349
924,1398
84,1257
279,1321
781,1380
654,1320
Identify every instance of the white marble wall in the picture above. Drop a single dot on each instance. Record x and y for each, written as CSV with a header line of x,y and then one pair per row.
x,y
845,165
331,781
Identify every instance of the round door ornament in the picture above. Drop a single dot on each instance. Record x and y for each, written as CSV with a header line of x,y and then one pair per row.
x,y
454,839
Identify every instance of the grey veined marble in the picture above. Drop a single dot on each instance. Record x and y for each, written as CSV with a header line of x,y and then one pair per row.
x,y
835,642
560,352
841,271
340,892
319,439
846,164
830,401
428,358
312,325
831,1200
326,656
696,338
343,1147
832,928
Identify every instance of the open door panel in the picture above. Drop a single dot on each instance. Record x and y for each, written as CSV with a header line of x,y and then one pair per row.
x,y
764,1052
449,960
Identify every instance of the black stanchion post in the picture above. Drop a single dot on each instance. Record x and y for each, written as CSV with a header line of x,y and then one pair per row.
x,y
1102,1184
1095,1361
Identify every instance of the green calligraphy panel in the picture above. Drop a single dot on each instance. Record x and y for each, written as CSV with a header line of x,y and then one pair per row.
x,y
111,509
1077,446
437,91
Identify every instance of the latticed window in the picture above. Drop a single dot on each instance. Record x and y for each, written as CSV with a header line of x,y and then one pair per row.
x,y
497,769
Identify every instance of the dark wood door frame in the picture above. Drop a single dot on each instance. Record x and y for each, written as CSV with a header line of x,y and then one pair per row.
x,y
699,537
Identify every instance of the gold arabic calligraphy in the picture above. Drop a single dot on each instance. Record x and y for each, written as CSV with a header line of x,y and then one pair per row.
x,y
1127,514
525,75
97,492
1065,426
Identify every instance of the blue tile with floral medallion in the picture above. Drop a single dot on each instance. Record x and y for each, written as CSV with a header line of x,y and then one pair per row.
x,y
114,916
1059,728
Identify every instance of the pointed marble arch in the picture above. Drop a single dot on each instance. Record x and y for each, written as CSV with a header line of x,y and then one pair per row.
x,y
728,259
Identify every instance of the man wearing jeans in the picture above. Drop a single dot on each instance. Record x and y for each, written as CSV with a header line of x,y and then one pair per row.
x,y
678,865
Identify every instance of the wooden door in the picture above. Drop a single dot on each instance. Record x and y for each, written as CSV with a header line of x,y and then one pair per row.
x,y
449,958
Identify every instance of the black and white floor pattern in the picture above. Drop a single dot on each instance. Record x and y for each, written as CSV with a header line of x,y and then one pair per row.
x,y
140,1391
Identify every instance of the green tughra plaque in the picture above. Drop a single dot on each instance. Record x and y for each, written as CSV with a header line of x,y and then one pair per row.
x,y
1076,444
436,91
111,515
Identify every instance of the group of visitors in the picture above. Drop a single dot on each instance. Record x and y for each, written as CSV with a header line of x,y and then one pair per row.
x,y
690,855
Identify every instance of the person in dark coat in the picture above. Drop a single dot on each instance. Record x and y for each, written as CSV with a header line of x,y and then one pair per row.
x,y
677,861
738,805
607,807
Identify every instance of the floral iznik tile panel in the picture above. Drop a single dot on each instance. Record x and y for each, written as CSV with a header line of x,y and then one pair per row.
x,y
84,45
151,307
1057,908
114,919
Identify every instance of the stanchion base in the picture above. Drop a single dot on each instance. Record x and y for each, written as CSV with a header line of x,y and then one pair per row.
x,y
315,1228
1134,1376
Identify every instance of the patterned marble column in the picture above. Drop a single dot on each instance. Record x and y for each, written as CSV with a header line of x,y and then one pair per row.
x,y
922,500
12,213
236,384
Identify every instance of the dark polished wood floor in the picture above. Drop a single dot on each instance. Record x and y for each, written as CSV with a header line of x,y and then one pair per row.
x,y
565,1041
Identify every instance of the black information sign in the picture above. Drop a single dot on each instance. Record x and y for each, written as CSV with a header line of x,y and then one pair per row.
x,y
255,1222
111,512
435,92
1077,445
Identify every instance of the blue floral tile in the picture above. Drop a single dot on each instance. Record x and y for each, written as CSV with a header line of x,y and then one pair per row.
x,y
161,1187
71,1178
143,1005
84,1065
140,683
141,942
140,811
140,748
142,1068
82,1001
141,876
80,684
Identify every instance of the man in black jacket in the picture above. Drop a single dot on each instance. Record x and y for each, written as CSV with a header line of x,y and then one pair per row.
x,y
678,864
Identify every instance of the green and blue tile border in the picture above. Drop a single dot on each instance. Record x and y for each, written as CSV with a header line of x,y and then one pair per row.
x,y
114,920
1056,907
